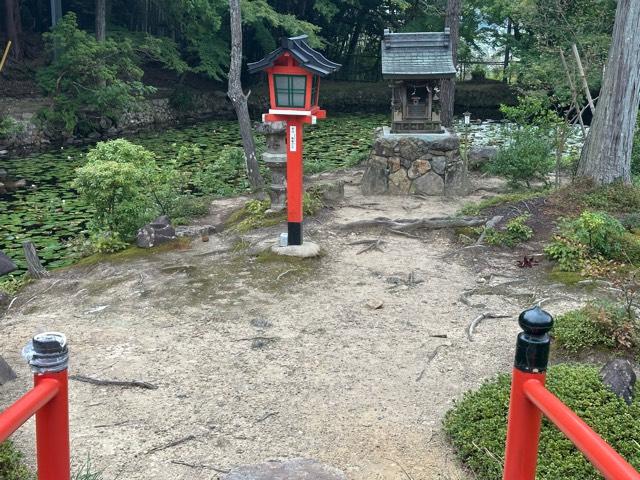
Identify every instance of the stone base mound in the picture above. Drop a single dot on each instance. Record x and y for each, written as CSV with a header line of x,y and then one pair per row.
x,y
426,164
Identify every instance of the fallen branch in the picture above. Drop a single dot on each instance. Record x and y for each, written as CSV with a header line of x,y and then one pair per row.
x,y
252,339
195,465
268,415
172,444
114,383
429,360
405,234
285,273
363,242
373,246
405,225
476,321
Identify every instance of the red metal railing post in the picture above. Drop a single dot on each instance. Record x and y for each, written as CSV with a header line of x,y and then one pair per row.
x,y
523,429
48,356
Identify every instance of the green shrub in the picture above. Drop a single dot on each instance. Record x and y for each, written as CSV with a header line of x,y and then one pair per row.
x,y
616,197
526,158
477,425
9,127
593,236
603,325
219,172
11,463
516,231
631,222
117,181
182,99
311,203
87,76
107,242
186,207
11,284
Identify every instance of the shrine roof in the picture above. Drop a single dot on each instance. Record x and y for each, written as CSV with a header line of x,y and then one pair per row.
x,y
417,55
306,56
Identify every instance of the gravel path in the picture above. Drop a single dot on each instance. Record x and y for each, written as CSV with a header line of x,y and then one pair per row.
x,y
258,357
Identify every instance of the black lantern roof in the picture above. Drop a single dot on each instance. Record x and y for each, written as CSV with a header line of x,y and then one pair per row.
x,y
306,56
417,55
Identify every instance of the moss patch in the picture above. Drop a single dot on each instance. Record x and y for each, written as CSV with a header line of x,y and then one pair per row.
x,y
567,278
11,463
477,425
471,209
597,325
252,216
133,252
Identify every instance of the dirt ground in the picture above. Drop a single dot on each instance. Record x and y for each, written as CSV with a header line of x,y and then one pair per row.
x,y
257,357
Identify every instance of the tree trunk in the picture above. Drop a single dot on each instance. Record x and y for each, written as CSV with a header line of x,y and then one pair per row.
x,y
447,94
606,156
101,20
13,26
507,52
239,99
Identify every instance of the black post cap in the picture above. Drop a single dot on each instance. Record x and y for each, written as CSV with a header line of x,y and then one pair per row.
x,y
47,352
535,321
49,343
532,347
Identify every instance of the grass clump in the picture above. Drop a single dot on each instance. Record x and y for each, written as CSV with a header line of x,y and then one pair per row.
x,y
477,425
472,209
254,215
583,193
516,231
12,466
11,284
597,325
592,238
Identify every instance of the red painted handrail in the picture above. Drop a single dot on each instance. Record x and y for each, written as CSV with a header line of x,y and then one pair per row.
x,y
26,407
604,458
530,399
48,401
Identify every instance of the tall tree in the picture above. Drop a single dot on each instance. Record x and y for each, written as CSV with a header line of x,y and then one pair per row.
x,y
101,20
606,156
447,94
13,25
239,98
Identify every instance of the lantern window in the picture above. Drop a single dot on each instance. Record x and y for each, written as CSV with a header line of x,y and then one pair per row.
x,y
291,90
315,90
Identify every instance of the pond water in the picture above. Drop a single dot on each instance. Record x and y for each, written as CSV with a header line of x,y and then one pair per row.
x,y
51,214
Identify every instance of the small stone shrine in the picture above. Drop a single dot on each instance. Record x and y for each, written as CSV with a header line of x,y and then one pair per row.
x,y
416,154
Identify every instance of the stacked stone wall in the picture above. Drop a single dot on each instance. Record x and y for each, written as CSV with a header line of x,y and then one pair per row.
x,y
404,164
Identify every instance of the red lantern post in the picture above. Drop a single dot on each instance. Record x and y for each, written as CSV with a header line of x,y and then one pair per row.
x,y
294,72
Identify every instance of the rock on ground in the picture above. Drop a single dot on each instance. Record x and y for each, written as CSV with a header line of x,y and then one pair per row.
x,y
619,376
296,469
156,233
6,264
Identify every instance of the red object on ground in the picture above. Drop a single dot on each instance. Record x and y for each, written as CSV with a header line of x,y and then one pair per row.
x,y
48,400
604,458
52,430
530,399
523,430
294,71
295,189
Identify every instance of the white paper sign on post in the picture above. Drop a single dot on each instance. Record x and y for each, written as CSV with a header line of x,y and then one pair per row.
x,y
293,139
